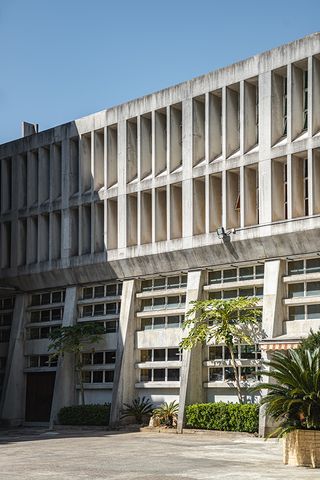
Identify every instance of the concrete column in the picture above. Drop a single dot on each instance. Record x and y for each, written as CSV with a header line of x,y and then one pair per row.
x,y
272,317
191,390
64,386
124,373
13,399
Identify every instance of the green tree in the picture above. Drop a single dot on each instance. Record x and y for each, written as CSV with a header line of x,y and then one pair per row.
x,y
167,413
139,408
294,400
75,339
311,342
227,322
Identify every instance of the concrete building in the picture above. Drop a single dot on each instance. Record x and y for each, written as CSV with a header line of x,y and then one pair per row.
x,y
113,218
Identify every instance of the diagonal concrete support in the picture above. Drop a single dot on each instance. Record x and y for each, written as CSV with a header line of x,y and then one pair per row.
x,y
272,318
191,389
13,399
124,374
64,386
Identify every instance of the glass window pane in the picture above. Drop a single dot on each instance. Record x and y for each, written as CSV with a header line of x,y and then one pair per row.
x,y
33,361
56,314
97,376
215,352
230,293
111,308
227,354
108,376
295,268
35,317
229,373
173,322
184,279
146,285
214,295
99,291
87,311
174,354
111,326
215,277
87,292
296,290
159,355
45,298
159,303
111,290
259,292
215,374
35,300
45,316
248,373
259,271
159,375
173,374
34,333
313,311
98,309
44,361
145,355
86,377
313,265
56,297
44,332
246,292
230,275
246,273
159,283
86,358
173,302
173,282
247,351
110,357
146,323
146,304
313,288
145,375
296,313
159,322
98,358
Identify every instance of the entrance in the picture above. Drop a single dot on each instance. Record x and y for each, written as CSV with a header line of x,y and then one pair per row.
x,y
39,395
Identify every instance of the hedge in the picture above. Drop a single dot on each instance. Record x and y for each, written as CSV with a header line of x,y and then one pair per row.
x,y
97,415
223,416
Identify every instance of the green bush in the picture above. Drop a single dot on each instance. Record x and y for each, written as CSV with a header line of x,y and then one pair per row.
x,y
232,417
97,415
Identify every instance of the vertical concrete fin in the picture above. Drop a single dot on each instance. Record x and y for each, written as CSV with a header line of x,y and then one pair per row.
x,y
124,374
13,398
191,390
64,391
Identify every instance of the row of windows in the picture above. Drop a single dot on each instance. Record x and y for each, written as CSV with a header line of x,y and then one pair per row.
x,y
100,309
163,283
161,355
155,323
237,292
101,291
225,374
162,303
241,352
299,267
48,315
37,361
236,274
98,376
47,298
160,375
304,312
36,333
99,358
304,289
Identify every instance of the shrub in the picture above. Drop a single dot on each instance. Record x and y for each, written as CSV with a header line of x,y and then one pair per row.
x,y
140,408
232,417
97,415
167,413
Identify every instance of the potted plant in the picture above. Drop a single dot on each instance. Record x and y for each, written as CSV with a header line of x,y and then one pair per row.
x,y
293,401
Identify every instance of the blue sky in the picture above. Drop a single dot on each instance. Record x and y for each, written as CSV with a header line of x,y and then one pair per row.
x,y
63,59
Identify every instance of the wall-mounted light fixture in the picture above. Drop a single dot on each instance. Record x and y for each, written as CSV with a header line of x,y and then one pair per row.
x,y
223,234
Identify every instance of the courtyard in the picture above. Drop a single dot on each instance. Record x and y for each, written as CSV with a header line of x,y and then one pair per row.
x,y
98,455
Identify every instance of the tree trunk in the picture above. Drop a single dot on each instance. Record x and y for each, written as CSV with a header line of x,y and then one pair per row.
x,y
79,368
236,373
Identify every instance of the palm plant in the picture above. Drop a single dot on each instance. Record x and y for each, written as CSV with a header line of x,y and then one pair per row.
x,y
294,400
167,413
139,408
229,322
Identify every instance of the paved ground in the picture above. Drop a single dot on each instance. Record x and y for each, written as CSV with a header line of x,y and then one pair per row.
x,y
99,455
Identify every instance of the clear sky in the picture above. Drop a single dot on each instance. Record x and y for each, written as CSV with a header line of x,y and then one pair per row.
x,y
63,59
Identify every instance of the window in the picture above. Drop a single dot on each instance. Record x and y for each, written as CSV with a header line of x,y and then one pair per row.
x,y
99,358
46,298
164,283
163,303
236,274
305,100
160,375
100,309
161,355
237,292
40,361
102,291
299,267
241,352
284,105
174,321
48,315
304,289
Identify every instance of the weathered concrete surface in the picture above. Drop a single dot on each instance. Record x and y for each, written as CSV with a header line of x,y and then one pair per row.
x,y
144,456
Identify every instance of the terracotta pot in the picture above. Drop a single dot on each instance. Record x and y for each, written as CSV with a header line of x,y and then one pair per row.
x,y
301,448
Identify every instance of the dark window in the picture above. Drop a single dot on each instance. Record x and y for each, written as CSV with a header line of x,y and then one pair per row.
x,y
313,311
98,309
230,275
87,311
146,355
215,374
145,375
158,322
99,291
98,358
45,298
295,268
173,374
97,376
146,323
159,375
108,376
111,290
173,354
215,352
87,292
110,357
173,322
159,355
86,377
296,313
